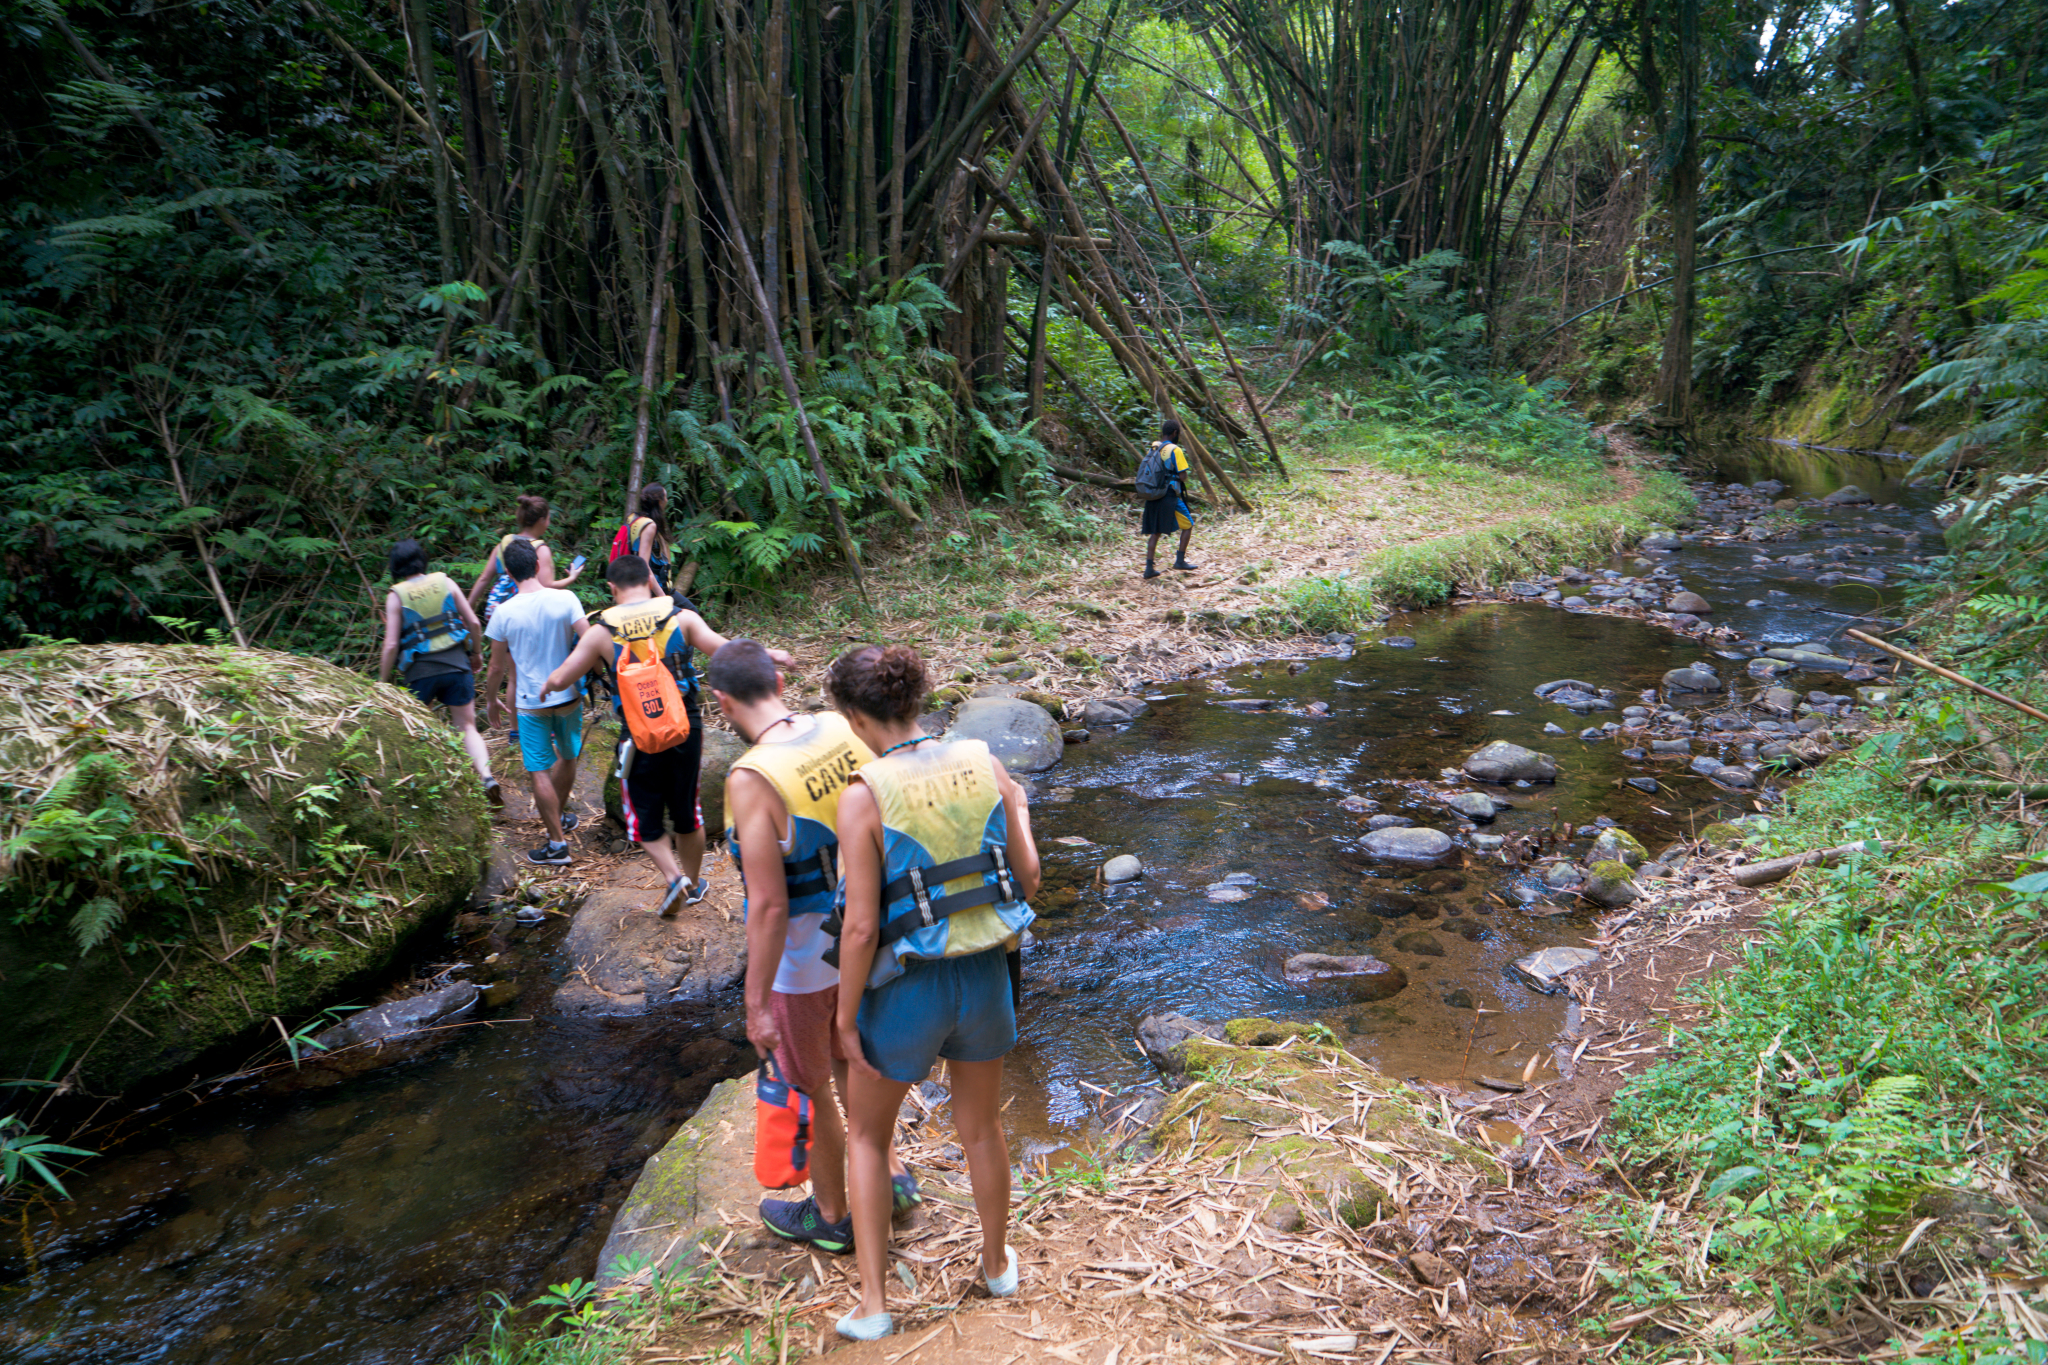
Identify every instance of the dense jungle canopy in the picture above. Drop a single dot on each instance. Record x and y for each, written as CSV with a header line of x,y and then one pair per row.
x,y
285,281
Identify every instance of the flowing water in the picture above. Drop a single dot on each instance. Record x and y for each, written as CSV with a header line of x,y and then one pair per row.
x,y
369,1222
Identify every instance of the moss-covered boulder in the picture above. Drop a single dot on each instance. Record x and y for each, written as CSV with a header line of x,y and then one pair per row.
x,y
1611,883
1310,1118
194,840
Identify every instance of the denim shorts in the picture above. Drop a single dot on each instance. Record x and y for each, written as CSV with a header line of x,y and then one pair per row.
x,y
548,737
958,1008
446,689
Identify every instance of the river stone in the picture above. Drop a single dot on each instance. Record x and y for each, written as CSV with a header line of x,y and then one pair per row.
x,y
399,1018
1391,904
1576,601
1544,690
1552,728
1398,642
686,1191
1098,711
1020,735
1408,845
1367,978
1659,540
1739,778
1125,867
1689,602
1812,661
1690,680
1501,761
624,960
1610,884
1160,1037
1560,875
1545,971
1477,806
1226,895
1617,845
1487,843
1388,822
1847,495
1644,784
1420,942
154,722
1780,699
1706,765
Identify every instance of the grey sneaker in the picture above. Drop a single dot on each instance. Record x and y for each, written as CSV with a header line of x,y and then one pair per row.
x,y
675,892
549,854
699,889
570,819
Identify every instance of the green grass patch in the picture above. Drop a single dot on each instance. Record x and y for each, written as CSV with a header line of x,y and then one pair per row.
x,y
1860,1055
1425,572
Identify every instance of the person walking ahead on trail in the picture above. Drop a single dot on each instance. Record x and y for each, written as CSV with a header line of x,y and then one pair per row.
x,y
432,635
1167,512
536,629
782,799
658,789
533,518
646,535
937,856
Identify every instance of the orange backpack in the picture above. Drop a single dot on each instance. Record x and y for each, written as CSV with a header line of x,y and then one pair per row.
x,y
652,702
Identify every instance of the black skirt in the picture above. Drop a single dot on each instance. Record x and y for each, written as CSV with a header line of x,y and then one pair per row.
x,y
1167,516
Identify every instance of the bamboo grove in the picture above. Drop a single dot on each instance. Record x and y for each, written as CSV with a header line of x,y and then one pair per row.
x,y
613,167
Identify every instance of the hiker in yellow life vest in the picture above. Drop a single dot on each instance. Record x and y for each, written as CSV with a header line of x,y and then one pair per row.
x,y
782,802
1164,516
432,636
937,861
659,790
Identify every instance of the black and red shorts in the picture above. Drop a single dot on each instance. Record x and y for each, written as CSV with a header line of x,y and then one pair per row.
x,y
661,789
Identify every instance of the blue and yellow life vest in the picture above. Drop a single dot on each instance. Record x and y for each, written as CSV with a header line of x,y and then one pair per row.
x,y
809,772
429,617
947,886
659,621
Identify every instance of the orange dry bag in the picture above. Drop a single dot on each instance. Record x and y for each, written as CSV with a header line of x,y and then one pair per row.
x,y
782,1130
653,704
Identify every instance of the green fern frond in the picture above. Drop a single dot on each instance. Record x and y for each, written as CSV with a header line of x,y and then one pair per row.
x,y
95,920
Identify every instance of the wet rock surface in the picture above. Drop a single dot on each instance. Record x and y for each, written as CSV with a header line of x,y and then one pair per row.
x,y
1018,733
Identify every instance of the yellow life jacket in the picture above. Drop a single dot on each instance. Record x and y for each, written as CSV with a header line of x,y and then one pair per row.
x,y
429,619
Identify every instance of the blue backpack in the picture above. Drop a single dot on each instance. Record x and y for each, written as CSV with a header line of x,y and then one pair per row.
x,y
1154,479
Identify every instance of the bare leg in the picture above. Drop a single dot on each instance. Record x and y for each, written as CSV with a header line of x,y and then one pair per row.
x,y
978,1122
828,1151
664,858
871,1123
897,1165
1151,550
690,853
1185,537
549,788
463,718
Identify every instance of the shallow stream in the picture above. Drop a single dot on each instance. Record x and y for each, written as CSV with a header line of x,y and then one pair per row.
x,y
369,1222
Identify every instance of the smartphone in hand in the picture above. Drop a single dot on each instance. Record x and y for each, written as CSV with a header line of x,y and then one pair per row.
x,y
578,562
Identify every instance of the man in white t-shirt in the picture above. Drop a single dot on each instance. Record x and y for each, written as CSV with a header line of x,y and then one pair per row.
x,y
536,628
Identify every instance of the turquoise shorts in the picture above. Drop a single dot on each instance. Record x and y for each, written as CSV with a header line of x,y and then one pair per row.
x,y
958,1008
548,737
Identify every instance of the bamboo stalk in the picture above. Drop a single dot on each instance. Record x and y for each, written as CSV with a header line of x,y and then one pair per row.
x,y
1948,673
781,359
645,399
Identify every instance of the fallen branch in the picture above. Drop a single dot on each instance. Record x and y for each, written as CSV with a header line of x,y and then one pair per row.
x,y
1777,869
1950,674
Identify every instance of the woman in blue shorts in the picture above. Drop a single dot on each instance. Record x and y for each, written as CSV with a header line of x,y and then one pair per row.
x,y
936,853
432,636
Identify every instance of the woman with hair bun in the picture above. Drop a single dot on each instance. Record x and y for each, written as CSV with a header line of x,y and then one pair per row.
x,y
937,860
532,521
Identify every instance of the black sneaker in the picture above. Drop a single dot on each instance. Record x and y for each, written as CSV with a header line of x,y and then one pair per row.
x,y
549,854
570,820
1184,566
1151,572
801,1222
904,1193
699,889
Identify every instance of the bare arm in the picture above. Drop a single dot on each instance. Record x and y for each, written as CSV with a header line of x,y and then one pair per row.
x,y
756,811
592,649
860,863
704,638
478,589
501,670
546,572
1023,851
476,632
387,658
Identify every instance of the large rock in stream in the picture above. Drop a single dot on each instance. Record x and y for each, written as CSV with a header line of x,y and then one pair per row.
x,y
1021,735
286,827
706,1169
1501,761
